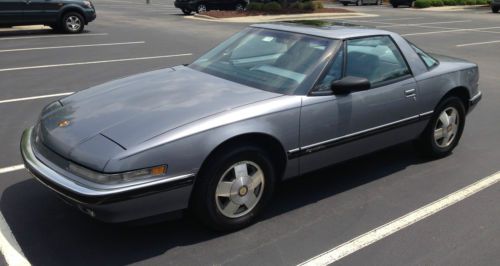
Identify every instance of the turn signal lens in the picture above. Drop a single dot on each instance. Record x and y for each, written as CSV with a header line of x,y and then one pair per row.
x,y
158,170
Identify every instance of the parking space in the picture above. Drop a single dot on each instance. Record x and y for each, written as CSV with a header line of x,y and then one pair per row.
x,y
309,215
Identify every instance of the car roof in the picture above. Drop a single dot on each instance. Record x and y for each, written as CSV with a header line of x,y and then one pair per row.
x,y
332,32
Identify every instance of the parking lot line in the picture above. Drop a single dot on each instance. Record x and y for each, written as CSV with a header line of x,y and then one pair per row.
x,y
94,62
11,168
9,246
52,36
453,30
71,46
400,223
477,43
422,24
34,98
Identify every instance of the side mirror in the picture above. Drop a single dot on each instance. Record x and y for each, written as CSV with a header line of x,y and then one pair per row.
x,y
349,84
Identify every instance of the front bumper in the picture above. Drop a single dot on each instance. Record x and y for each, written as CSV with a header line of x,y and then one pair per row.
x,y
90,15
114,204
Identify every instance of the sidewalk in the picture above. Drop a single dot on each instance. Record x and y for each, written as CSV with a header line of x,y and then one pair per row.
x,y
274,18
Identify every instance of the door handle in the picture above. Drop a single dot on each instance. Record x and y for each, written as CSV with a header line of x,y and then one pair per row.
x,y
410,93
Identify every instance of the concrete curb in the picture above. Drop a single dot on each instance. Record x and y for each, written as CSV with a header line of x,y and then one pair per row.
x,y
274,18
32,27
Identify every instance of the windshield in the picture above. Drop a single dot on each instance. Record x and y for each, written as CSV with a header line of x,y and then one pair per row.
x,y
271,60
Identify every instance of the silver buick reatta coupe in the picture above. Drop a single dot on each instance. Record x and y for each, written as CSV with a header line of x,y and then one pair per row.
x,y
272,102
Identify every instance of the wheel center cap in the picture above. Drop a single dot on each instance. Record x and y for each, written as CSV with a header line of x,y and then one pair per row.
x,y
243,191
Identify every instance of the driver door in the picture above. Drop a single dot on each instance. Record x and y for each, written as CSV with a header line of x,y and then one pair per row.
x,y
338,127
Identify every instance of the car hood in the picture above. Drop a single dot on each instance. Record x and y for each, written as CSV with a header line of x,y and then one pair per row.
x,y
126,112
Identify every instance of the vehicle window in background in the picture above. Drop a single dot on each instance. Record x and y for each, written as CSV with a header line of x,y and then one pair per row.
x,y
375,58
334,72
428,60
265,59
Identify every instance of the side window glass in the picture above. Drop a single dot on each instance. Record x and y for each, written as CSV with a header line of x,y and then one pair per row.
x,y
334,72
375,58
427,59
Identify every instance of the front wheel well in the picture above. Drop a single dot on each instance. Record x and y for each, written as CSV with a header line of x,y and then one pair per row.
x,y
72,10
460,92
268,143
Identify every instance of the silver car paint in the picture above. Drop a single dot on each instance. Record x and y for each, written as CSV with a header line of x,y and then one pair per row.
x,y
206,111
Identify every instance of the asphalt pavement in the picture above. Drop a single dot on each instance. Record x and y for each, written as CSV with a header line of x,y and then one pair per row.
x,y
308,215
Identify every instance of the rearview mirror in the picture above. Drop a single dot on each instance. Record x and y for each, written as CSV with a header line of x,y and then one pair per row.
x,y
349,84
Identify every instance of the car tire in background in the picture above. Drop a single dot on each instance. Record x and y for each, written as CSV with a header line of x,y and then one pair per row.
x,y
359,3
72,22
247,173
239,7
345,3
186,11
395,5
443,131
201,8
494,9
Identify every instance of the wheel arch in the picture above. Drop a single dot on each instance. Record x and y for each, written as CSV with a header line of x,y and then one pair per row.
x,y
265,141
460,92
74,9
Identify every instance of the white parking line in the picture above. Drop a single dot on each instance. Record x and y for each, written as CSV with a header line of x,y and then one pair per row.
x,y
94,62
52,36
476,43
34,98
421,24
9,246
400,223
11,168
71,46
453,30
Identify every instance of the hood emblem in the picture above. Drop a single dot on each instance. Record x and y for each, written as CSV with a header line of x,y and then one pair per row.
x,y
63,123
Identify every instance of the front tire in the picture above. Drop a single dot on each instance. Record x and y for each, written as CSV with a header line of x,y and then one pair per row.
x,y
72,23
201,8
234,188
444,129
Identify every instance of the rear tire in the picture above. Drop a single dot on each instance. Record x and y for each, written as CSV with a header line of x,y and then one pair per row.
x,y
72,22
494,9
227,201
444,129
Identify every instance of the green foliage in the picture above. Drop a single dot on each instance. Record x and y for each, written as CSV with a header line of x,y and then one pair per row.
x,y
470,2
318,5
482,2
272,7
437,3
297,5
460,2
309,6
422,3
255,6
449,2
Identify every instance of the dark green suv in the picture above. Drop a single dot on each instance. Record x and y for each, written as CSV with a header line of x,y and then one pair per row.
x,y
495,5
70,16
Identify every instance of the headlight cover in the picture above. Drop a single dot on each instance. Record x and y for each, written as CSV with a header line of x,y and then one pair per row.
x,y
118,178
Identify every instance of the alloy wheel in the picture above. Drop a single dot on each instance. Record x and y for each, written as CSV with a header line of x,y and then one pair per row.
x,y
240,189
73,23
446,127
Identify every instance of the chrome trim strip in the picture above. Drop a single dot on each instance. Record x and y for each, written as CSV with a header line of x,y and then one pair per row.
x,y
34,163
359,132
478,94
426,113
